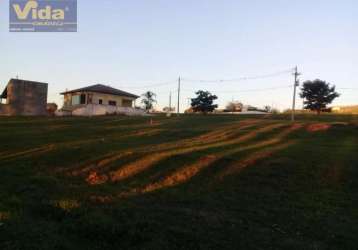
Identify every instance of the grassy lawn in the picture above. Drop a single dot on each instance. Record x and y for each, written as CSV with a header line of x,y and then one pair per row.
x,y
189,182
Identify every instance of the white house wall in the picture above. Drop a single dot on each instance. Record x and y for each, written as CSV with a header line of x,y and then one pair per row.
x,y
98,96
96,110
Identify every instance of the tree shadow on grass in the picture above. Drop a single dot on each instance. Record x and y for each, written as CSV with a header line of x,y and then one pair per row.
x,y
157,176
56,146
110,158
229,138
260,150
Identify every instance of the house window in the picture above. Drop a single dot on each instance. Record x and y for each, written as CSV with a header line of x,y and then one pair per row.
x,y
100,101
127,103
112,103
83,99
75,100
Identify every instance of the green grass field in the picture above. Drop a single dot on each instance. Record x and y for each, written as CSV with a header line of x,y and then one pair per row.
x,y
189,182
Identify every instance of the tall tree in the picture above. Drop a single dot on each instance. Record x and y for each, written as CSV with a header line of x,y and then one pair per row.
x,y
267,109
148,99
317,95
204,102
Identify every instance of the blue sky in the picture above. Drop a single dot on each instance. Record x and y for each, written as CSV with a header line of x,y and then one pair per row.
x,y
131,44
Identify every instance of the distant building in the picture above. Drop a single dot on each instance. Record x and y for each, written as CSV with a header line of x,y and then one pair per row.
x,y
234,107
98,100
353,109
22,97
98,94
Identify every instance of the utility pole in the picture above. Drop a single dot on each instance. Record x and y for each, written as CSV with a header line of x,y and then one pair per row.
x,y
170,102
178,108
296,84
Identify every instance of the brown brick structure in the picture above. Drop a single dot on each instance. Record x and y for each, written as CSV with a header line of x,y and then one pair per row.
x,y
25,98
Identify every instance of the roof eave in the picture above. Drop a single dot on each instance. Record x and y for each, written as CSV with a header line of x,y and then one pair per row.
x,y
71,92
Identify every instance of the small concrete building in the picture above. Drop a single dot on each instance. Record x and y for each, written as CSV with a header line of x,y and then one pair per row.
x,y
22,97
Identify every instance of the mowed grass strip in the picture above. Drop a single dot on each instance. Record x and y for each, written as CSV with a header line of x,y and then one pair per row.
x,y
189,182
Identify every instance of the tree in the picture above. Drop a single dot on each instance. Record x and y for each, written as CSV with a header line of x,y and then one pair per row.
x,y
267,109
317,95
204,102
234,106
148,100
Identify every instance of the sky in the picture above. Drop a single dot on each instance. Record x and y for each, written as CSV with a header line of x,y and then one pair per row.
x,y
141,45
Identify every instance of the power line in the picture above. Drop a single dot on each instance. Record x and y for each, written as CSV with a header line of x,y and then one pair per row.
x,y
168,83
148,86
245,90
261,89
239,78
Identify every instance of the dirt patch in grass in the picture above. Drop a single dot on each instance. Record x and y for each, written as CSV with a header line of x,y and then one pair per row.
x,y
318,127
4,216
96,179
182,175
